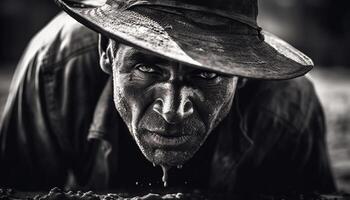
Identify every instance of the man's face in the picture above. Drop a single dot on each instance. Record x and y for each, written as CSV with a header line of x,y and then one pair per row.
x,y
170,109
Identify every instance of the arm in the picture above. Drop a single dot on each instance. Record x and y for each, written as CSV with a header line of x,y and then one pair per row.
x,y
30,156
290,154
49,108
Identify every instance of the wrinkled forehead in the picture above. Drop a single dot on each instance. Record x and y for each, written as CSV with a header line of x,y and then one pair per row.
x,y
132,53
129,54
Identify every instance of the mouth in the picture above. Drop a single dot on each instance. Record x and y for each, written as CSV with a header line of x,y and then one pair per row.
x,y
166,140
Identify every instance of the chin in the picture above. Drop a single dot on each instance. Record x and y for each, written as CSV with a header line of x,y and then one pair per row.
x,y
169,145
169,156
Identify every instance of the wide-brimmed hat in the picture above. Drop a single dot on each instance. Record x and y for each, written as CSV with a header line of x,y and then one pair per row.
x,y
218,35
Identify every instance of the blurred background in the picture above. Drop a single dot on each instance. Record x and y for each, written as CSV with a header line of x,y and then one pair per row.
x,y
319,28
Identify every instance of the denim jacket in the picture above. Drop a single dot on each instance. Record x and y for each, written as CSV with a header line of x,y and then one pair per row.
x,y
60,128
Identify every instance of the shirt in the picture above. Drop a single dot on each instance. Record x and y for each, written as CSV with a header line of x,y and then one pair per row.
x,y
60,128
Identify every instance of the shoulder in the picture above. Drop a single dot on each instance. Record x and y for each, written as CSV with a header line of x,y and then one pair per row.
x,y
292,103
279,96
63,52
60,67
61,39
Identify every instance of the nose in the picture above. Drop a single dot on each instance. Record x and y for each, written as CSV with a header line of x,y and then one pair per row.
x,y
174,106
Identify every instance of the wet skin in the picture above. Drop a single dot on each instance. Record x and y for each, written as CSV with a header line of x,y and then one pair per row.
x,y
169,108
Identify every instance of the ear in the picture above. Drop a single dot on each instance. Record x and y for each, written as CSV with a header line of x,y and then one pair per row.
x,y
106,55
241,82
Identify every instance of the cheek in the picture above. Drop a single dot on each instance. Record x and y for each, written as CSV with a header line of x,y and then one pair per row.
x,y
121,100
130,99
218,102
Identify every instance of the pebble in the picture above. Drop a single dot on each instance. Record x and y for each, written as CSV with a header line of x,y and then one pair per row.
x,y
36,197
113,195
108,198
69,192
57,196
55,189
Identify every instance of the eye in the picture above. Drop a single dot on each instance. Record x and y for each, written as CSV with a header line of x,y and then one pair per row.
x,y
145,68
207,75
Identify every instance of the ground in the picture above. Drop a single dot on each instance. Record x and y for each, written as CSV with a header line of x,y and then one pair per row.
x,y
333,87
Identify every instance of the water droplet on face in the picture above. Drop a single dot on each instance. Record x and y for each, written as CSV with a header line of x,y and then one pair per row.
x,y
165,175
136,183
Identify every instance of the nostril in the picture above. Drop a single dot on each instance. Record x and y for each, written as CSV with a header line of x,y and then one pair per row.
x,y
170,113
157,107
188,108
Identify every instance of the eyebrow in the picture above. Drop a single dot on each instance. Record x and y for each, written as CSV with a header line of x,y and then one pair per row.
x,y
136,54
144,56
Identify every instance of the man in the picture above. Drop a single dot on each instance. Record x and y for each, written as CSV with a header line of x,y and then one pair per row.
x,y
193,86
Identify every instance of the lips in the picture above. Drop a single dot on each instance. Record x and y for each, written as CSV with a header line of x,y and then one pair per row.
x,y
167,132
170,139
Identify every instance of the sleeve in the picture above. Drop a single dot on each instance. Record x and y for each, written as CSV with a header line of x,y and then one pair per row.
x,y
44,127
29,157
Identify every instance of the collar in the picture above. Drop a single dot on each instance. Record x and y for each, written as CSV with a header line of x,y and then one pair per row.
x,y
104,115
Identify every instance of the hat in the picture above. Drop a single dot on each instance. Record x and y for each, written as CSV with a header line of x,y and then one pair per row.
x,y
218,35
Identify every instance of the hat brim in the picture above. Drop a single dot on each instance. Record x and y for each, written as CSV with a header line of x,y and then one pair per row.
x,y
169,36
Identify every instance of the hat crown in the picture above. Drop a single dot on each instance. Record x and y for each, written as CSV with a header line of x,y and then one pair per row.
x,y
248,8
245,11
